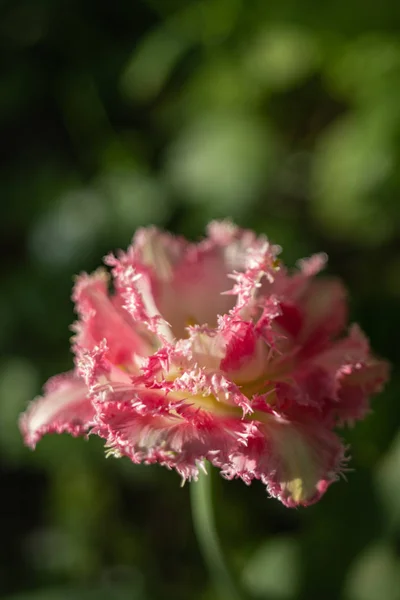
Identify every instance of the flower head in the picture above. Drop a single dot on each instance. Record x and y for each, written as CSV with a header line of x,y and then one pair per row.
x,y
214,351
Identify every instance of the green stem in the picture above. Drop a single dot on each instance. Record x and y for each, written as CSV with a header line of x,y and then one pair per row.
x,y
204,525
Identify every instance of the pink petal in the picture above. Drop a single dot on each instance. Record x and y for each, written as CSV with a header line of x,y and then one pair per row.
x,y
186,282
352,349
296,460
324,308
234,349
357,383
247,355
310,386
290,319
65,407
206,347
180,439
315,316
184,368
313,311
101,318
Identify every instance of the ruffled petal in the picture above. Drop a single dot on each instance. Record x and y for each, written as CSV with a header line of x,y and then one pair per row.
x,y
311,386
102,319
246,354
296,460
186,282
234,349
312,318
352,349
64,407
181,438
308,458
357,383
325,311
183,368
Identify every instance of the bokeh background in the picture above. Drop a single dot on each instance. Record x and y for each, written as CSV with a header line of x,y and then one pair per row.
x,y
285,116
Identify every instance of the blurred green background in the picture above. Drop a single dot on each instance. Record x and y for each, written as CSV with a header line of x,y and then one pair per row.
x,y
285,116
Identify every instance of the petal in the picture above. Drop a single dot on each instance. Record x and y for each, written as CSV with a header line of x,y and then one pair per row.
x,y
308,458
316,316
235,348
357,383
180,369
247,355
357,375
296,460
65,406
101,318
181,439
313,310
290,319
352,349
207,347
186,282
325,309
310,386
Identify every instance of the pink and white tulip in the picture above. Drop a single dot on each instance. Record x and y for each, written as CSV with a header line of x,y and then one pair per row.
x,y
214,352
